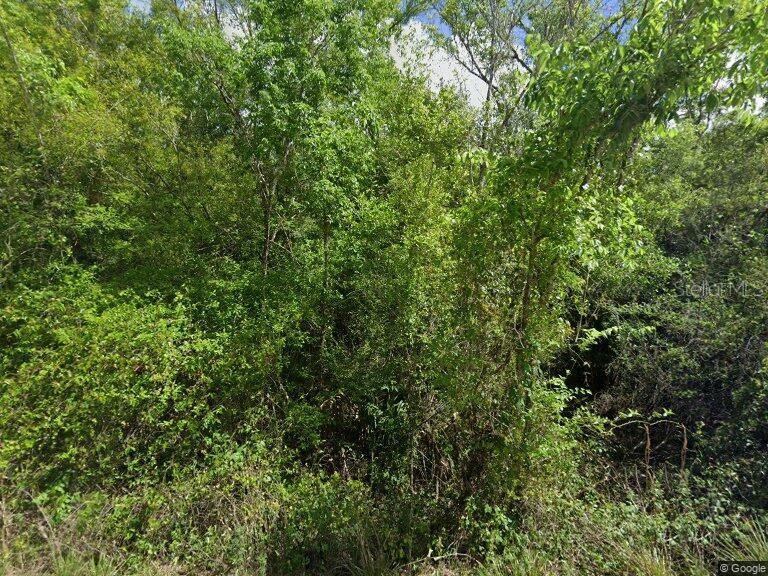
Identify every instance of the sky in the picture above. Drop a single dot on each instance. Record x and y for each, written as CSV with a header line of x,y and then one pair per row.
x,y
414,50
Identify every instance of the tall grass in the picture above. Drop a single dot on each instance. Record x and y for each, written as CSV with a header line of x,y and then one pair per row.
x,y
747,542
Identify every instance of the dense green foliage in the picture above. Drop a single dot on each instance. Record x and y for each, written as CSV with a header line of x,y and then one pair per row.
x,y
272,304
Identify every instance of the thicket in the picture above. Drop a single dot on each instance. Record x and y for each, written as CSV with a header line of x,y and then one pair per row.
x,y
275,304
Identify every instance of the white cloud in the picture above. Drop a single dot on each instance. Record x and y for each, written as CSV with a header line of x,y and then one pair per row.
x,y
414,51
